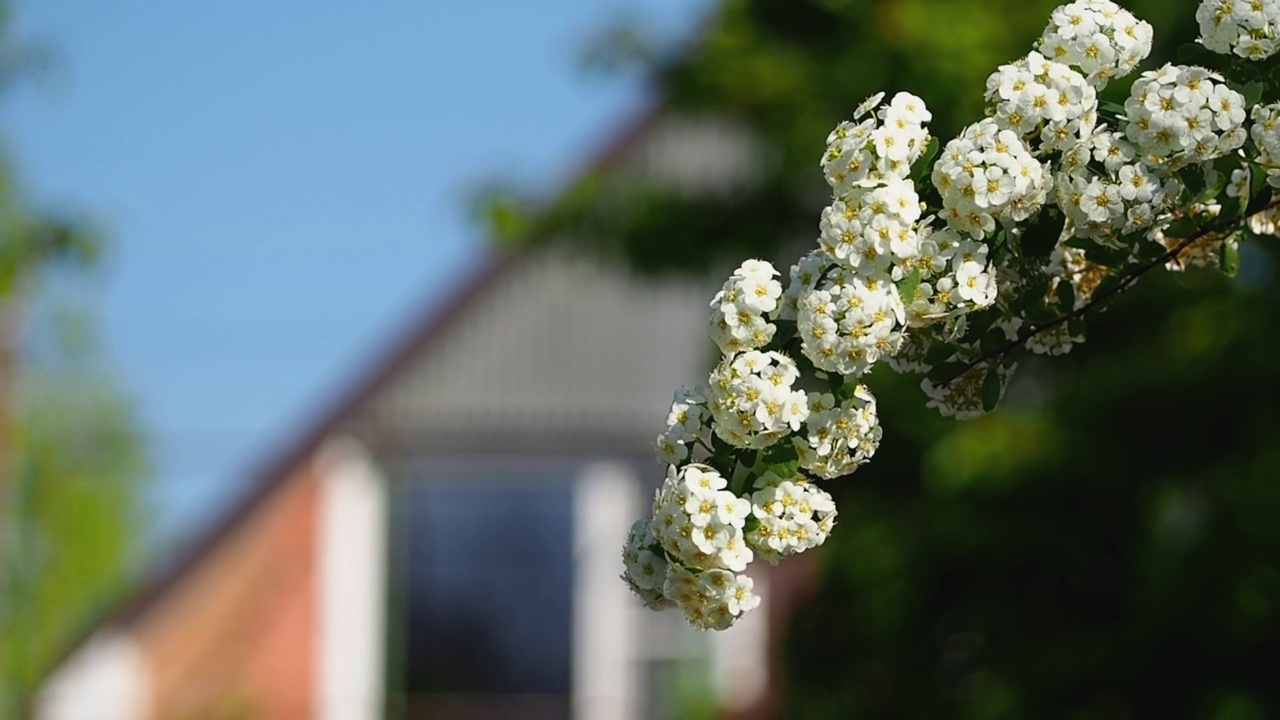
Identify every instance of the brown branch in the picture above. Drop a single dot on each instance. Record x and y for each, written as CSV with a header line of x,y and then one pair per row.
x,y
1120,287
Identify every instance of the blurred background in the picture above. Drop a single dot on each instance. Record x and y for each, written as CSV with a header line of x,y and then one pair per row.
x,y
334,340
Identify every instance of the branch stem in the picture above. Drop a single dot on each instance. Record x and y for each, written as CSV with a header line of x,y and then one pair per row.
x,y
1130,278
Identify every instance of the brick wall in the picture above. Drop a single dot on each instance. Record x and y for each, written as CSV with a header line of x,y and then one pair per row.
x,y
234,639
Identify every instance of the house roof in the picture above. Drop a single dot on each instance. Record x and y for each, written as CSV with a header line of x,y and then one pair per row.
x,y
649,145
278,467
425,329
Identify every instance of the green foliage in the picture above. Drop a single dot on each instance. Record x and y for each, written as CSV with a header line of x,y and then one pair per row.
x,y
75,504
70,454
1104,547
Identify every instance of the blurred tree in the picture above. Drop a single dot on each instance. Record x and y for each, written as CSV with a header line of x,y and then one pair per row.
x,y
70,456
1107,545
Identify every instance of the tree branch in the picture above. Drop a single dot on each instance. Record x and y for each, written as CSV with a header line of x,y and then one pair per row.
x,y
1129,279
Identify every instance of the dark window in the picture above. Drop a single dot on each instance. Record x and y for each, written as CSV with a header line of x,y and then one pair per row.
x,y
488,584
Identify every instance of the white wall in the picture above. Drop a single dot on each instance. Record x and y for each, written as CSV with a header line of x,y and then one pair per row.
x,y
106,679
351,577
605,658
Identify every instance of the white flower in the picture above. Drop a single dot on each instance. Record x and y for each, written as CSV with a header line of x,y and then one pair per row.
x,y
1265,134
1106,191
688,421
751,399
645,570
847,323
1239,185
738,311
974,284
792,515
839,438
1178,115
1246,28
1047,103
1204,252
868,152
1098,37
698,522
711,599
961,398
804,274
871,228
973,196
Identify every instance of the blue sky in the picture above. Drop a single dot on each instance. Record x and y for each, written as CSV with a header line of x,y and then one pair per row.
x,y
284,185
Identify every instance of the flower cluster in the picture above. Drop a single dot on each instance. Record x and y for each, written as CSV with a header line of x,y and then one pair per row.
x,y
1178,115
839,437
738,311
698,522
1100,38
752,402
870,229
1104,189
864,153
711,599
693,552
1039,208
688,422
646,566
872,222
1045,102
792,515
954,278
1266,136
1204,251
1067,265
847,322
988,174
961,397
1247,29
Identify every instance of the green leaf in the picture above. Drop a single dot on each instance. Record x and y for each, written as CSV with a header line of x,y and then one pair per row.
x,y
1271,81
785,333
1106,287
1229,258
848,390
946,371
1228,215
1040,312
991,387
1113,109
1188,52
1066,293
1147,249
1039,238
1259,192
993,340
1240,74
1252,91
835,381
1182,228
1079,243
907,286
921,166
939,354
780,458
1107,257
779,452
982,319
1075,329
1195,183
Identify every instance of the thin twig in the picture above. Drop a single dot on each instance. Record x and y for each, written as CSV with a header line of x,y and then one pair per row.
x,y
1100,297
